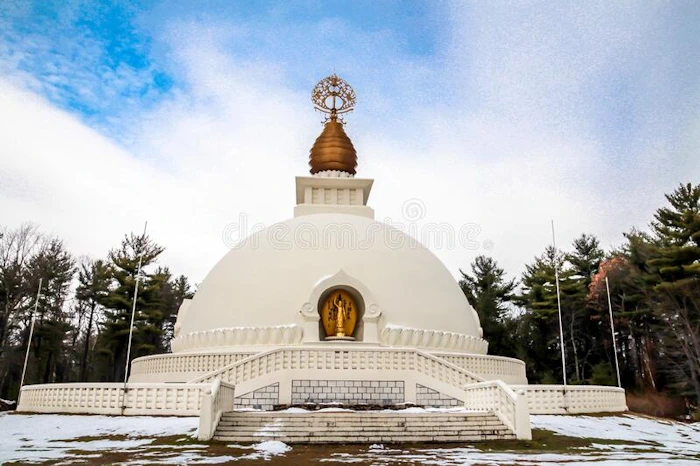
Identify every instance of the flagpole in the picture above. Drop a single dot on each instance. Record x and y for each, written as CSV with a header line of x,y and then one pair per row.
x,y
133,315
29,342
561,327
612,332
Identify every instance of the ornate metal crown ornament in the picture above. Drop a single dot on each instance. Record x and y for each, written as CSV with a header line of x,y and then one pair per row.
x,y
334,97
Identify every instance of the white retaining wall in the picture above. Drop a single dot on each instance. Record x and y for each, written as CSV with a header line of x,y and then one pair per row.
x,y
573,399
172,399
352,392
264,398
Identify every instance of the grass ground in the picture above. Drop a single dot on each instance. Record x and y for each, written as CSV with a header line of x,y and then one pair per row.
x,y
176,447
557,440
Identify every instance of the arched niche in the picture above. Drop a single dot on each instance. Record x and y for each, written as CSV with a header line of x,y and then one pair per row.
x,y
368,310
358,334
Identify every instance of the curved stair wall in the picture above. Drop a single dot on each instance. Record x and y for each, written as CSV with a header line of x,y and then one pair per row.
x,y
488,367
339,363
412,366
179,367
182,367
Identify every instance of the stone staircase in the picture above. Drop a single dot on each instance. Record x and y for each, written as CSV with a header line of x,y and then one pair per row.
x,y
360,427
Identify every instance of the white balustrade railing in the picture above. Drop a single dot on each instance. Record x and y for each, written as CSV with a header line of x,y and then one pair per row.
x,y
488,367
173,367
573,399
497,397
172,399
177,367
216,400
320,359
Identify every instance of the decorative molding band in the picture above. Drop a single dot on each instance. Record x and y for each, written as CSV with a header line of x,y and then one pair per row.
x,y
333,174
432,339
238,336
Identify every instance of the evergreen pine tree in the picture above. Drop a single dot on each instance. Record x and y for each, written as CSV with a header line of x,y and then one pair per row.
x,y
676,266
634,319
113,340
178,291
55,266
93,289
584,332
488,291
539,326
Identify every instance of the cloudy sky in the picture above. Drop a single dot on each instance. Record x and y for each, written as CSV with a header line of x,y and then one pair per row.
x,y
196,117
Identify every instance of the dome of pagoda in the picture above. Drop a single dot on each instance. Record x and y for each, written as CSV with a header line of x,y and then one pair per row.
x,y
266,281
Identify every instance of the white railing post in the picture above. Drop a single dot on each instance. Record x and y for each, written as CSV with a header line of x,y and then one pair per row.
x,y
523,428
509,407
214,403
206,412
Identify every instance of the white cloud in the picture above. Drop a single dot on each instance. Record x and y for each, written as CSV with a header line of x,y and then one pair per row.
x,y
513,145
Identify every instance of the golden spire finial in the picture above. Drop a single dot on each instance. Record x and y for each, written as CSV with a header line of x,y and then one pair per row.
x,y
333,96
333,149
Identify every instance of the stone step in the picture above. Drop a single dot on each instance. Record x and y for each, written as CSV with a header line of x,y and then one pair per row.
x,y
325,419
356,420
311,435
359,422
340,433
399,428
452,426
363,414
366,439
373,430
360,427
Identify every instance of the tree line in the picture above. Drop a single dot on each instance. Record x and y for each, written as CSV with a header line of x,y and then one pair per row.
x,y
654,282
83,308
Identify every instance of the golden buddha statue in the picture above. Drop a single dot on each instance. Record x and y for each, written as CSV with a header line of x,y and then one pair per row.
x,y
339,316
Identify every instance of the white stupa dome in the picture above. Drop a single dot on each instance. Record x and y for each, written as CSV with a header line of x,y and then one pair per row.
x,y
266,280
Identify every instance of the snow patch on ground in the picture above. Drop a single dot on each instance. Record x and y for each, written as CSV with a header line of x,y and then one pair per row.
x,y
295,411
41,438
272,447
35,437
45,427
659,434
263,450
409,410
